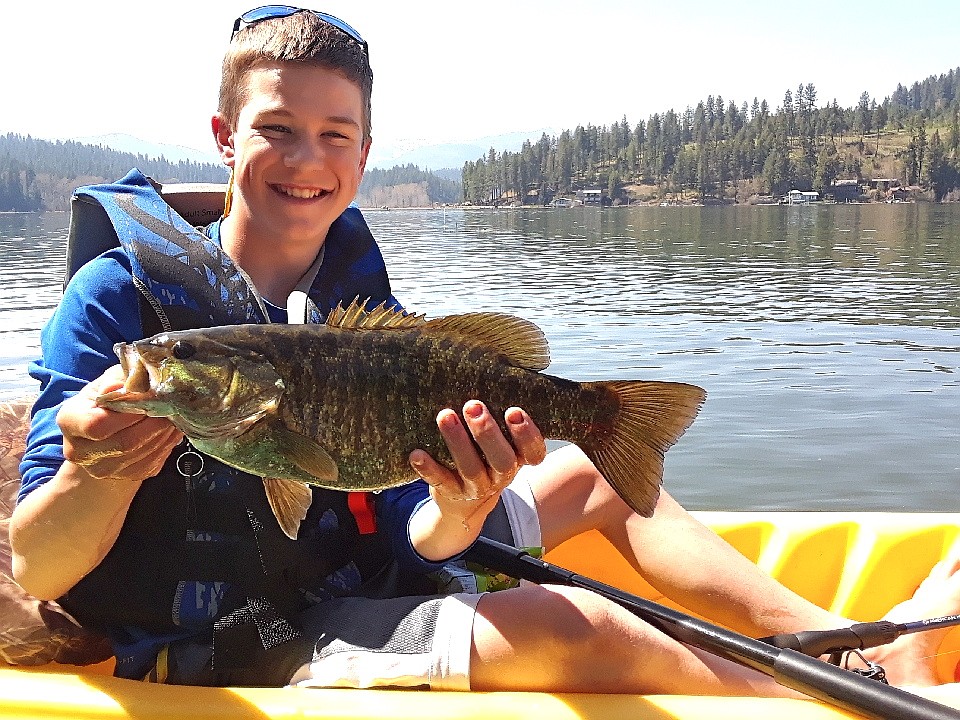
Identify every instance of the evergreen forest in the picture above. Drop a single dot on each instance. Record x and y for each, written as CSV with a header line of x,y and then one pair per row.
x,y
41,174
407,186
716,151
722,151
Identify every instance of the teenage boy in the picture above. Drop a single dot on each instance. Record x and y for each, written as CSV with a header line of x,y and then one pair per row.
x,y
177,556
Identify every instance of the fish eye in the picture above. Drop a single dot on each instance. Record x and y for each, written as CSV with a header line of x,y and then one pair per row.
x,y
183,350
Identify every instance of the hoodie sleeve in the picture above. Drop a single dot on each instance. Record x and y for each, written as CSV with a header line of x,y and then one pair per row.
x,y
395,508
99,308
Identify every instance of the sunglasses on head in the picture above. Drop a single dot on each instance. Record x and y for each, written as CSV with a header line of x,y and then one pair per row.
x,y
267,12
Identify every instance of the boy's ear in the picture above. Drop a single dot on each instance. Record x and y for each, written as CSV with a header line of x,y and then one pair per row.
x,y
364,154
223,134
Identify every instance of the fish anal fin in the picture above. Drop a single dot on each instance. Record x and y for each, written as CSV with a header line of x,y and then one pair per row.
x,y
289,501
307,455
651,418
522,343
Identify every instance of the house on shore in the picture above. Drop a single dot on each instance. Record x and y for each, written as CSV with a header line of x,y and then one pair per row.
x,y
801,197
845,191
590,196
883,184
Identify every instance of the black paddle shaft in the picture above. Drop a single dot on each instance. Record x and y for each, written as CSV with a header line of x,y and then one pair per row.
x,y
792,669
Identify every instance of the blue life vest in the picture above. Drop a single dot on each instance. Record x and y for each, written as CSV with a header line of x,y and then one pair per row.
x,y
200,551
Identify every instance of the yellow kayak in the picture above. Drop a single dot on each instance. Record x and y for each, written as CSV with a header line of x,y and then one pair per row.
x,y
856,564
831,558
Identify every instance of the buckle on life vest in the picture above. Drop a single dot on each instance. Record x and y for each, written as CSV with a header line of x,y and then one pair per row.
x,y
362,508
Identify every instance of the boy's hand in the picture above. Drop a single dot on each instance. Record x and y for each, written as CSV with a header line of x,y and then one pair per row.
x,y
113,445
464,498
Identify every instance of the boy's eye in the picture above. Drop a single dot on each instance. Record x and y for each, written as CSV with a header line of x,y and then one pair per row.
x,y
338,137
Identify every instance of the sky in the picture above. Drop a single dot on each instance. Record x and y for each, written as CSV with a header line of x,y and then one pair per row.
x,y
448,71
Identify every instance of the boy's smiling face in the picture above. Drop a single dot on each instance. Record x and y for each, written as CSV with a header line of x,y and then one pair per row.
x,y
297,151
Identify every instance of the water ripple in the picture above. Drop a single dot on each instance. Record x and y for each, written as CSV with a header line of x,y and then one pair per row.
x,y
827,338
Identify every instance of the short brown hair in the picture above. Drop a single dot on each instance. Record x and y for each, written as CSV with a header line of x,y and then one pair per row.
x,y
300,38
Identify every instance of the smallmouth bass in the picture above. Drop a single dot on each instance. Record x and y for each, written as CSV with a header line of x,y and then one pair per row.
x,y
342,405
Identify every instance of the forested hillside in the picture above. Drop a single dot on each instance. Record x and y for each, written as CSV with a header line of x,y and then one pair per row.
x,y
41,175
723,150
717,150
406,186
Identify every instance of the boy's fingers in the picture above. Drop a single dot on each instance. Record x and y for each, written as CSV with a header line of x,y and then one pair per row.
x,y
80,417
145,444
467,460
501,458
526,436
484,457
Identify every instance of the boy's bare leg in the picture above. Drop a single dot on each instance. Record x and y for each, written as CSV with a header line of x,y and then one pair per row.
x,y
690,564
911,659
561,639
682,558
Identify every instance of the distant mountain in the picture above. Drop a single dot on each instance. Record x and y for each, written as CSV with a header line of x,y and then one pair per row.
x,y
437,156
420,152
137,146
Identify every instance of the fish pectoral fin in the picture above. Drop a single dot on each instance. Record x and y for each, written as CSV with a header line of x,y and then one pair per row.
x,y
289,501
307,455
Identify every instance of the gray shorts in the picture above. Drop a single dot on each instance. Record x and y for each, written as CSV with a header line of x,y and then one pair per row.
x,y
356,642
411,642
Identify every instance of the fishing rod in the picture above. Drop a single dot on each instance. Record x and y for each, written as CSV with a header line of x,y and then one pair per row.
x,y
841,688
856,637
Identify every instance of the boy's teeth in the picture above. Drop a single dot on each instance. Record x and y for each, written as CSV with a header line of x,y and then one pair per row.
x,y
300,192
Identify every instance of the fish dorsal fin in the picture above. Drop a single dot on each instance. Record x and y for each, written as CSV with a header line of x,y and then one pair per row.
x,y
521,342
356,317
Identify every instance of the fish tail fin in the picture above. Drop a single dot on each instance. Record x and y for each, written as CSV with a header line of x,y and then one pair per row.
x,y
651,418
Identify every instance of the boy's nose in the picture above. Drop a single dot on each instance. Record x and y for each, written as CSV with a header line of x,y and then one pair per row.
x,y
303,154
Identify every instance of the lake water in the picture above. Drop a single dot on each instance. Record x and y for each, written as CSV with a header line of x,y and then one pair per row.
x,y
827,337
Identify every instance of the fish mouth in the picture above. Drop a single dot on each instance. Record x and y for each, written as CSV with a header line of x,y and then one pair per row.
x,y
141,379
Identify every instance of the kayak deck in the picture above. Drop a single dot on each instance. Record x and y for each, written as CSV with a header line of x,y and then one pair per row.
x,y
856,564
87,697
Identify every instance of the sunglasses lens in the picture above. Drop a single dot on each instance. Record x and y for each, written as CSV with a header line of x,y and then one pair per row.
x,y
340,25
268,12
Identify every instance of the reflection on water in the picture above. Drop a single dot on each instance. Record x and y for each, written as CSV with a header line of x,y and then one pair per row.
x,y
32,255
827,337
854,263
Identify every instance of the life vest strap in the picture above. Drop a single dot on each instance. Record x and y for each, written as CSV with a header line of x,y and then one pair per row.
x,y
364,512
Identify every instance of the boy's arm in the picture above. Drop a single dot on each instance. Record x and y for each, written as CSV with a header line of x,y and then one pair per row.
x,y
71,504
65,527
460,501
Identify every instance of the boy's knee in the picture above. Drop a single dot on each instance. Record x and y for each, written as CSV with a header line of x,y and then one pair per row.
x,y
584,623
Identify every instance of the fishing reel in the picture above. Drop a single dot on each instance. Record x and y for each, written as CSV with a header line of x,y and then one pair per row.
x,y
871,670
